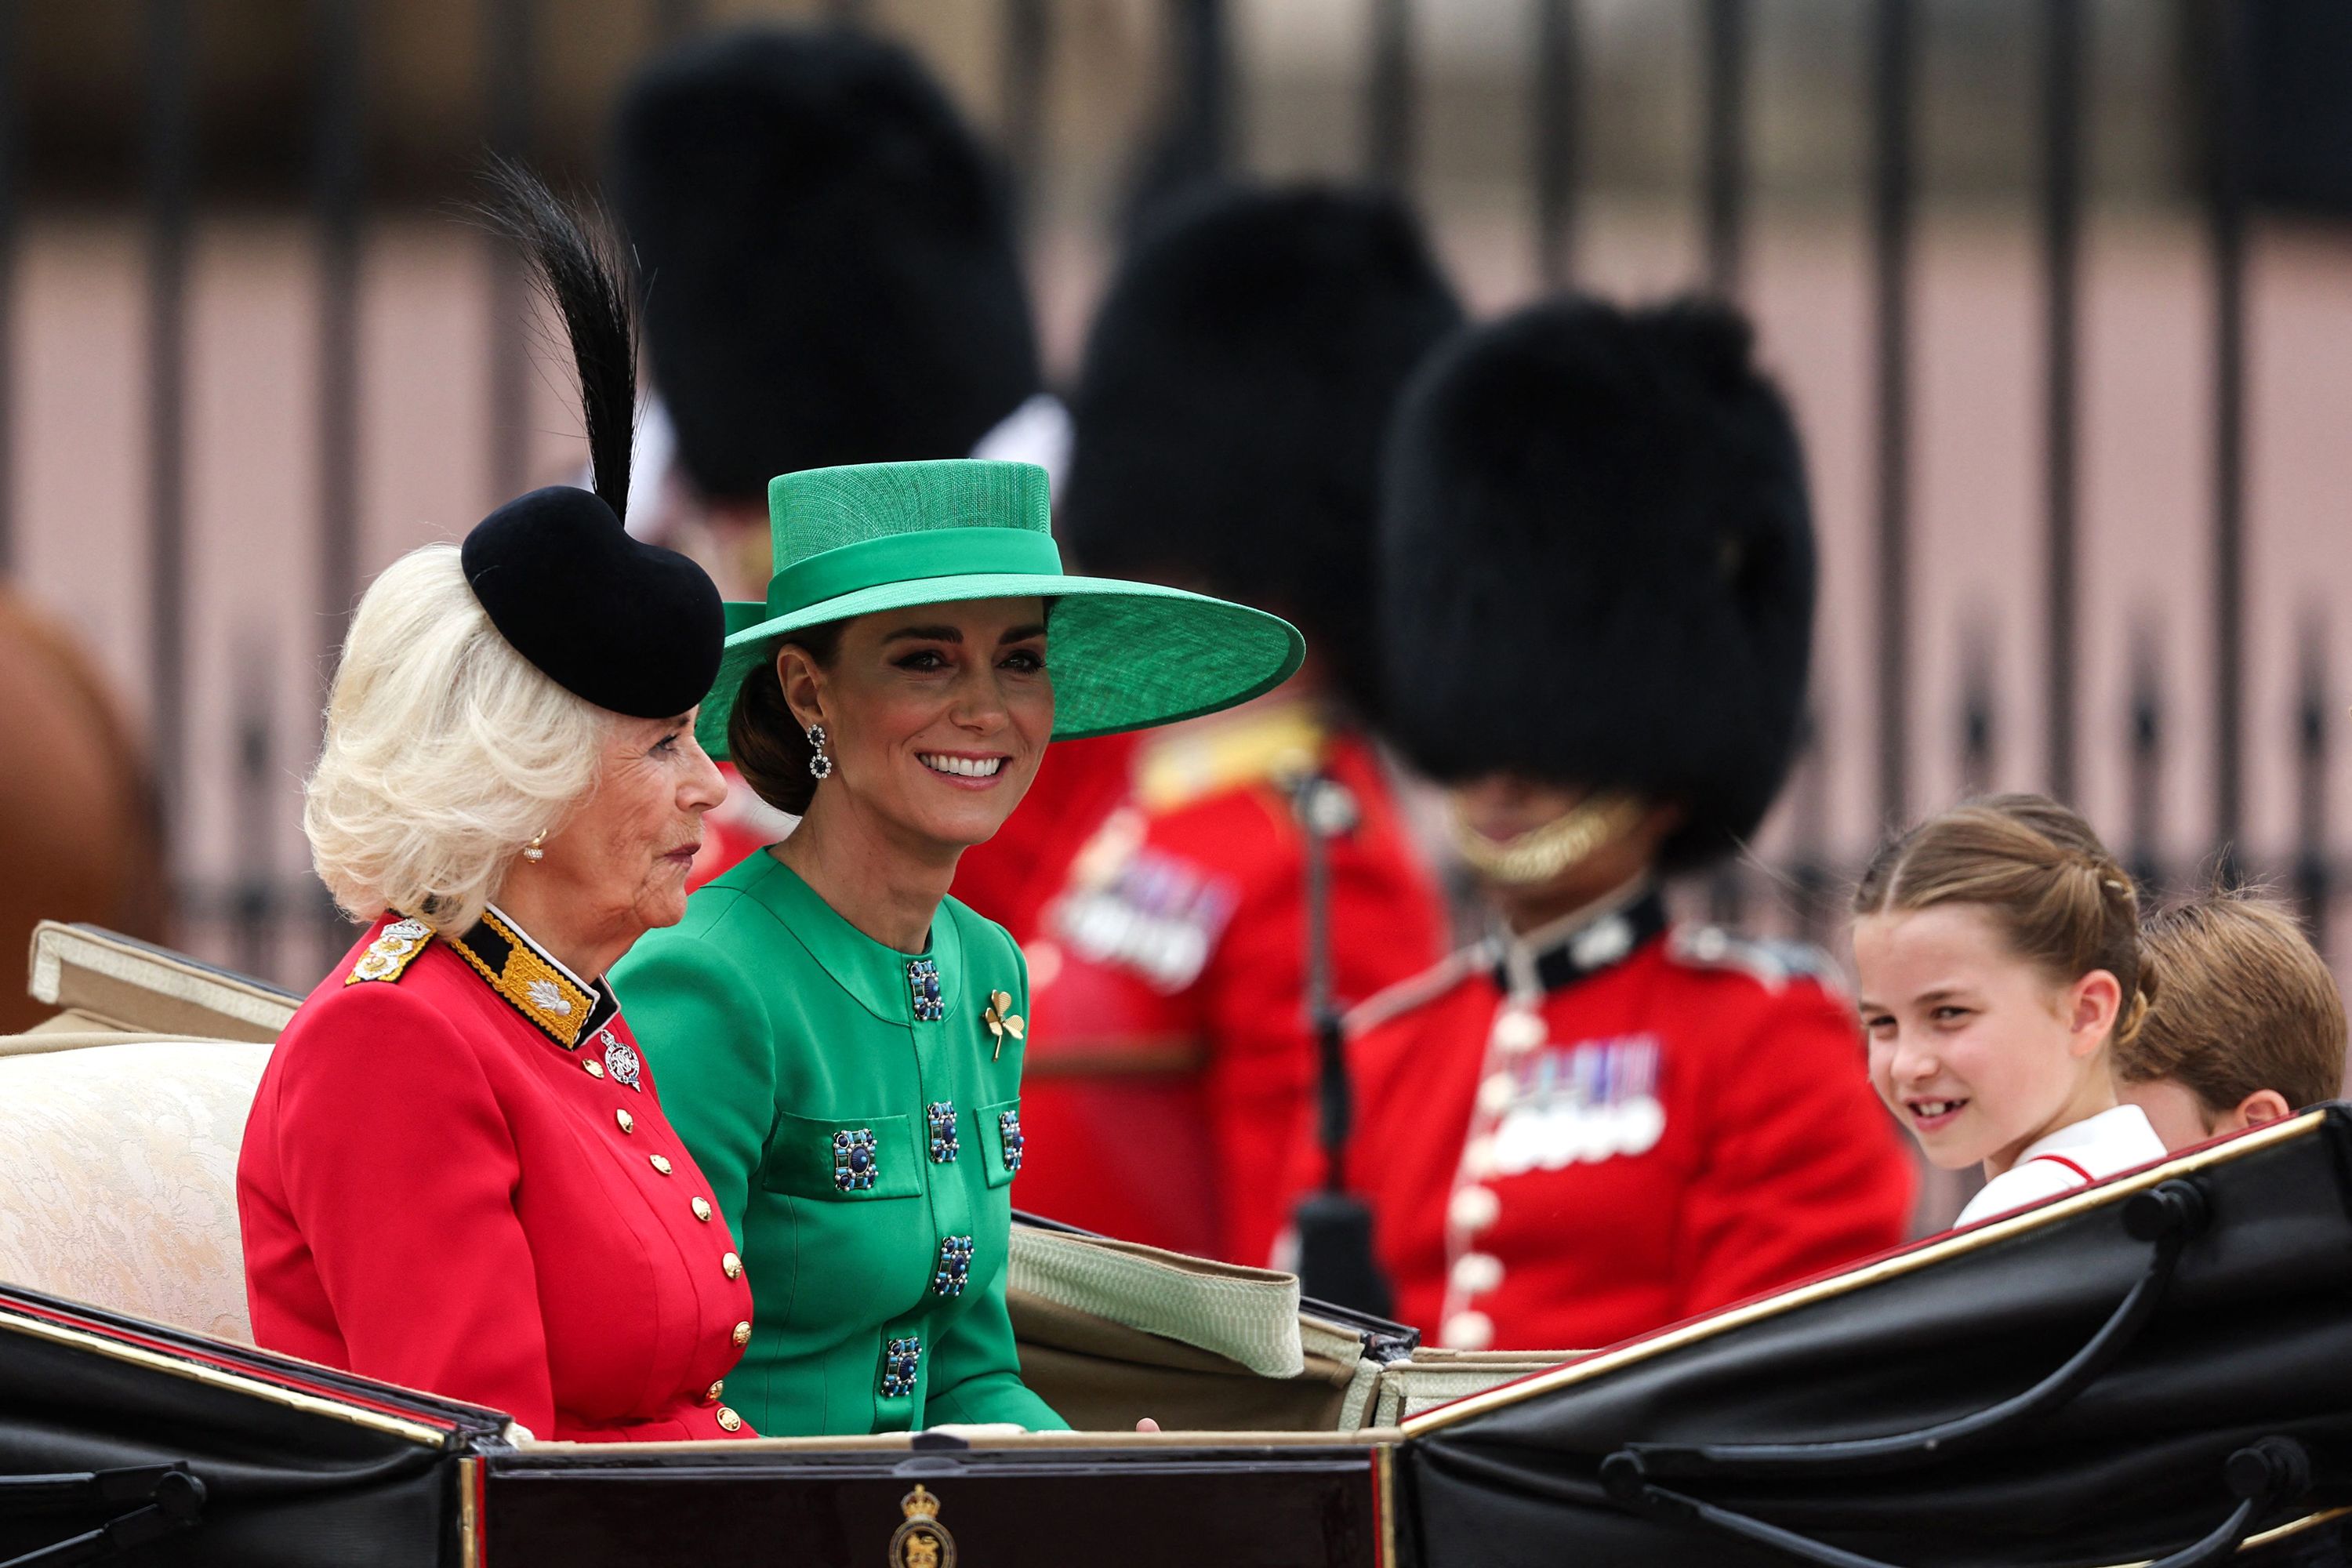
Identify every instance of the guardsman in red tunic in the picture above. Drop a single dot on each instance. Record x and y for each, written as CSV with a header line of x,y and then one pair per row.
x,y
1598,580
1229,417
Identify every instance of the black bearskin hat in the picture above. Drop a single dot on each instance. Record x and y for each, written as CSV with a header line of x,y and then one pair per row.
x,y
1597,563
1231,407
830,265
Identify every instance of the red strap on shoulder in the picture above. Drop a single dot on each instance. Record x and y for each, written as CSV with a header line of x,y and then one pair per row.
x,y
2062,1160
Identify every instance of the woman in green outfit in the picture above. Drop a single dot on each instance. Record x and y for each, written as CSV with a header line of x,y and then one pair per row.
x,y
839,1042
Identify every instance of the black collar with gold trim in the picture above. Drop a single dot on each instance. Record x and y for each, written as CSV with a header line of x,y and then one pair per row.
x,y
1576,948
533,982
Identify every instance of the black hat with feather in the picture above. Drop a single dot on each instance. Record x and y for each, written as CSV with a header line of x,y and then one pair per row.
x,y
622,624
831,269
1598,564
1236,386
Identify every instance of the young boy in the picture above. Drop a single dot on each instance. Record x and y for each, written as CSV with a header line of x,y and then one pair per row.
x,y
2245,1025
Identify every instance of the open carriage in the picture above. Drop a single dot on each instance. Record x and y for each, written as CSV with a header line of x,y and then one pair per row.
x,y
2159,1368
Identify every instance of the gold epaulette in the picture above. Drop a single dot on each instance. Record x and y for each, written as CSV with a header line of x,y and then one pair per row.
x,y
1264,742
394,950
1418,991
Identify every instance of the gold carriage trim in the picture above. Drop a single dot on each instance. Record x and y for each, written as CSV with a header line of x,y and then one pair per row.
x,y
394,950
533,983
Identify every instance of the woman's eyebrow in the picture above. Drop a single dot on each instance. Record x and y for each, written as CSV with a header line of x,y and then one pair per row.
x,y
926,634
1022,634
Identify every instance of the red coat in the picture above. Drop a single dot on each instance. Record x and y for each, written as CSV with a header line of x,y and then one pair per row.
x,y
1671,1121
457,1185
1157,884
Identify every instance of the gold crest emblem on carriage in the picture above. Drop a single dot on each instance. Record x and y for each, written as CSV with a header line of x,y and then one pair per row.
x,y
921,1542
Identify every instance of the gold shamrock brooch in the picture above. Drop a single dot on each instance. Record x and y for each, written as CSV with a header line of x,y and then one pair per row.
x,y
1002,1020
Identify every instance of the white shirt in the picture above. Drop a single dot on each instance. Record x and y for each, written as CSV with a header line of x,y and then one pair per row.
x,y
2087,1151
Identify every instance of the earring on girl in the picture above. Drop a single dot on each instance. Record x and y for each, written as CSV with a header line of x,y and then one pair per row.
x,y
820,766
535,851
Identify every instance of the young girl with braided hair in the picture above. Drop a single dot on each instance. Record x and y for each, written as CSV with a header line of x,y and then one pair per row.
x,y
1999,955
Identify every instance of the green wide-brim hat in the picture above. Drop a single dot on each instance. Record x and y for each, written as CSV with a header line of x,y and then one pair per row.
x,y
890,536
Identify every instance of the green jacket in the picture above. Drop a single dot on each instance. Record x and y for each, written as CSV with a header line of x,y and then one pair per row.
x,y
860,1133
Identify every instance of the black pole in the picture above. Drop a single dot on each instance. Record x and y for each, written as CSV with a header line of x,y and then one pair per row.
x,y
170,167
1891,213
9,131
2146,783
1389,107
336,196
2062,180
2226,239
1726,182
338,192
1194,141
1810,824
1978,729
506,77
1337,1261
1558,148
253,887
2315,878
1022,69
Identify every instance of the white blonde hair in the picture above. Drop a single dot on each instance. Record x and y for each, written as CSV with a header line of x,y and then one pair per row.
x,y
446,752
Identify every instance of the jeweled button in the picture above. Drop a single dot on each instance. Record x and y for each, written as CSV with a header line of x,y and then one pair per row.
x,y
702,1210
729,1421
743,1335
733,1266
628,1124
659,1163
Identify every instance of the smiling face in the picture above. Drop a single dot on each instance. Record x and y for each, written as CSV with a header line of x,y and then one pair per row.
x,y
618,867
935,718
1978,1051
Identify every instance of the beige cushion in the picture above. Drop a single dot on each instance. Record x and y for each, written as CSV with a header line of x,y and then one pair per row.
x,y
121,1175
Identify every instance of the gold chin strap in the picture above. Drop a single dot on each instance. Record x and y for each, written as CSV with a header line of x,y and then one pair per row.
x,y
1541,854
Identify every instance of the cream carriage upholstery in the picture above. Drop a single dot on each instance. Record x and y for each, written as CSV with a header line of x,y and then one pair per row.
x,y
123,1175
126,1110
125,1114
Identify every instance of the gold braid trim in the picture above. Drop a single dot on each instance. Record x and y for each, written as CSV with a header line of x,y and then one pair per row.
x,y
1542,853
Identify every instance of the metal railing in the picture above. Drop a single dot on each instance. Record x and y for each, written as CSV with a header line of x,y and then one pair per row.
x,y
1196,137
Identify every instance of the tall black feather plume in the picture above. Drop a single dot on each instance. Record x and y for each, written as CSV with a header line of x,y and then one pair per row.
x,y
578,265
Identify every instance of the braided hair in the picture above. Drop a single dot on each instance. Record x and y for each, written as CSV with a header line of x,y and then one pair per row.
x,y
2059,899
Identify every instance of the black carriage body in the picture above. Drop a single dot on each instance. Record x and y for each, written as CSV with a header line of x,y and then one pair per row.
x,y
1230,1504
2249,1339
1689,1447
302,1466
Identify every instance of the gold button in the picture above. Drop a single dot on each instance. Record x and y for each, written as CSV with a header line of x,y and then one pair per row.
x,y
595,1069
702,1210
718,1388
732,1265
628,1124
742,1333
660,1163
729,1421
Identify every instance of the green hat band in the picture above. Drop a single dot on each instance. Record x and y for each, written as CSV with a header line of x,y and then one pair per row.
x,y
911,557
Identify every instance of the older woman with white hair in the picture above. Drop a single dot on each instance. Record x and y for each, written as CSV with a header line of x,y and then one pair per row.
x,y
457,1175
